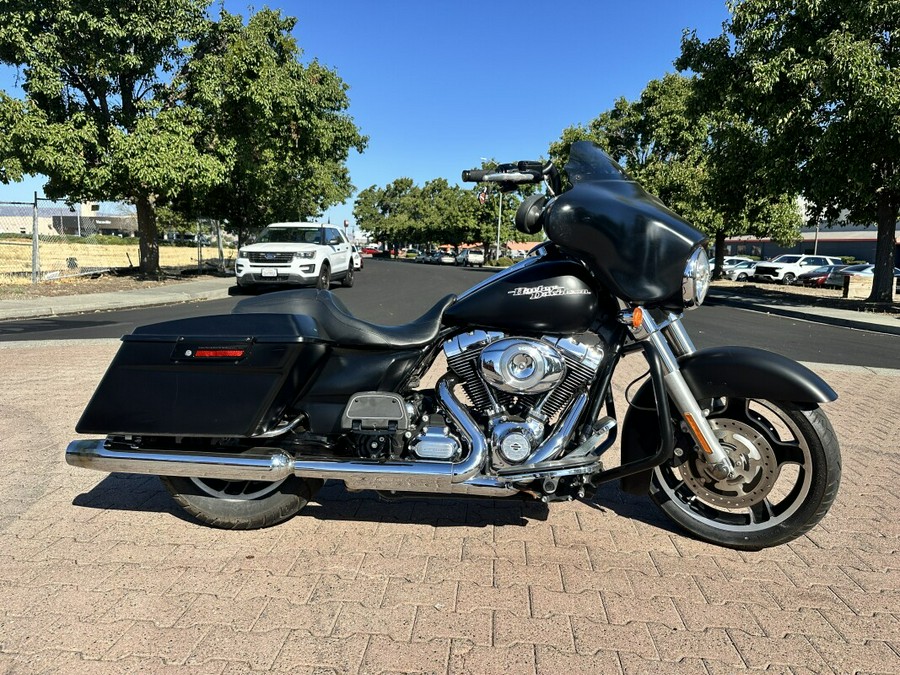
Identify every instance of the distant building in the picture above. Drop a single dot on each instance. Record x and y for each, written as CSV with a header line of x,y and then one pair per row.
x,y
858,241
55,220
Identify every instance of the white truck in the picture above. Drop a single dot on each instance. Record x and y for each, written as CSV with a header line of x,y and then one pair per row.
x,y
787,267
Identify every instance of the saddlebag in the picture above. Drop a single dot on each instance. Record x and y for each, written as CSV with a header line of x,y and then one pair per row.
x,y
226,376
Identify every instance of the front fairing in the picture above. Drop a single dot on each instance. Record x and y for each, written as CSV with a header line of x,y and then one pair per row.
x,y
634,244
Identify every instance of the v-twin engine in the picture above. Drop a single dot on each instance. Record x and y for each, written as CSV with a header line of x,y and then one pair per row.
x,y
518,385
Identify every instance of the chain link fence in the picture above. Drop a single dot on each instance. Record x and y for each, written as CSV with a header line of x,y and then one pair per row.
x,y
45,240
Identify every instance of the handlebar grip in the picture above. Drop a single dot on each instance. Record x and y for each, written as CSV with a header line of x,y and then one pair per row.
x,y
474,175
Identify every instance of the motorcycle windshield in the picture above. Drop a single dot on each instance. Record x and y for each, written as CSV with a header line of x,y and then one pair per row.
x,y
588,162
635,246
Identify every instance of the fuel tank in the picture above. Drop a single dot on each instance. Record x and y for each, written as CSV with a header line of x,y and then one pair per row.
x,y
538,295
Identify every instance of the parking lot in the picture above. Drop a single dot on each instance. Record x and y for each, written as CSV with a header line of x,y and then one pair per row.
x,y
101,573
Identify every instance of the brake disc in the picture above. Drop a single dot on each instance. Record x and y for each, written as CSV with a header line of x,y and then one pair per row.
x,y
755,468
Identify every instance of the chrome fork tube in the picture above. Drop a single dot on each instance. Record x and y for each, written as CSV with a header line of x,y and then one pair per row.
x,y
677,336
719,463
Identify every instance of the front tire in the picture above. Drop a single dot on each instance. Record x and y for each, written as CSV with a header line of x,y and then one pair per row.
x,y
241,505
788,468
323,281
788,279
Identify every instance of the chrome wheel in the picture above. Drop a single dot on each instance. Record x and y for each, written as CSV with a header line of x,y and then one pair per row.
x,y
787,469
236,489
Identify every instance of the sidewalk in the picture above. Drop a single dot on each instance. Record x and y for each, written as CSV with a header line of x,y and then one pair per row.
x,y
103,574
216,288
188,291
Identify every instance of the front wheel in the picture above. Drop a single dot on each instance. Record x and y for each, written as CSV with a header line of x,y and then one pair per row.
x,y
789,279
241,505
787,471
323,281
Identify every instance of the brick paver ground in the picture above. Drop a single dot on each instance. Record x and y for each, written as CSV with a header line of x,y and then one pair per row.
x,y
102,574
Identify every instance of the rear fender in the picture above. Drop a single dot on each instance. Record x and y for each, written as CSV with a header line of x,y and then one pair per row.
x,y
733,372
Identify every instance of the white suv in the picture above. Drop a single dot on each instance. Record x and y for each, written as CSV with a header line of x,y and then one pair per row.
x,y
304,254
788,266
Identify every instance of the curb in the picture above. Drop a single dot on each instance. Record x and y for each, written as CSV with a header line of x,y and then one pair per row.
x,y
125,302
844,322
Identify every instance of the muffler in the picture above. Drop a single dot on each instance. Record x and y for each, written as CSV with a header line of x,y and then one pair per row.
x,y
272,464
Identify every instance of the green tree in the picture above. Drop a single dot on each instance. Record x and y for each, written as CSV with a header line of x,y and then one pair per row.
x,y
279,126
156,104
698,162
819,80
98,118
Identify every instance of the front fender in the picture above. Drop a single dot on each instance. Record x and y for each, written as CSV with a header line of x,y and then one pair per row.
x,y
734,372
745,372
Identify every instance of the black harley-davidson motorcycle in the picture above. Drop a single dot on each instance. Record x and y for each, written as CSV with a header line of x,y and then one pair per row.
x,y
245,415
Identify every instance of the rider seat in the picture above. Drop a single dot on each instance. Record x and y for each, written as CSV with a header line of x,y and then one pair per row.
x,y
336,322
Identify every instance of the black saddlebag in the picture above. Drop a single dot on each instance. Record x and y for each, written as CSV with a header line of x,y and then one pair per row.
x,y
226,376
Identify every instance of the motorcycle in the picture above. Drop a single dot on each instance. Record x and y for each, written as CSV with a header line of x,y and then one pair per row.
x,y
245,415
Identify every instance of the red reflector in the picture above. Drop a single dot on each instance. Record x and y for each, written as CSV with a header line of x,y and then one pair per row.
x,y
218,353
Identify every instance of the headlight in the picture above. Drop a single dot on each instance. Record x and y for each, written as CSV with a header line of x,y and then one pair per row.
x,y
308,255
696,279
242,253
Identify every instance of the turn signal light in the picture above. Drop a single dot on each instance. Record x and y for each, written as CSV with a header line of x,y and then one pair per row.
x,y
637,318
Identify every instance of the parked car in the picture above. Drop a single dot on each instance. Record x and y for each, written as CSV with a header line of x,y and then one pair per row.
x,y
370,250
357,258
470,257
422,256
787,267
818,276
444,258
864,269
300,254
740,271
728,262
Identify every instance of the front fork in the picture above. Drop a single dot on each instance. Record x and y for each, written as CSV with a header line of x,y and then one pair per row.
x,y
669,340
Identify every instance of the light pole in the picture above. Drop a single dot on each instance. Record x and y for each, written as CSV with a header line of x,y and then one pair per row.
x,y
499,220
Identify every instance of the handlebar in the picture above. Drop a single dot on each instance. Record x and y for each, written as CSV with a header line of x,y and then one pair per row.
x,y
519,173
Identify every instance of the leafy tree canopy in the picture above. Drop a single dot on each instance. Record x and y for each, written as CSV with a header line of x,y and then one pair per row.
x,y
437,213
699,162
820,80
121,100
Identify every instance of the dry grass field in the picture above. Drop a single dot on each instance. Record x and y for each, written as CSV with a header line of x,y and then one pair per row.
x,y
60,259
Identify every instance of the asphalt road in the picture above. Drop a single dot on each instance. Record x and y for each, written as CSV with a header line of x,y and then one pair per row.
x,y
394,292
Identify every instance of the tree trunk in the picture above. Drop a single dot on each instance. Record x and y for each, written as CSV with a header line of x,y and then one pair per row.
x,y
719,254
149,243
883,283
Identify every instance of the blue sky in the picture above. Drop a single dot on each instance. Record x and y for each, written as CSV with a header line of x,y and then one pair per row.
x,y
438,85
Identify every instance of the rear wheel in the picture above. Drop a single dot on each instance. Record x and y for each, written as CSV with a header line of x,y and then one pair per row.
x,y
787,471
241,505
347,281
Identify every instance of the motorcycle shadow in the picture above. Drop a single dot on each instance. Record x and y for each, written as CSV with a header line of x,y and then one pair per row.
x,y
130,492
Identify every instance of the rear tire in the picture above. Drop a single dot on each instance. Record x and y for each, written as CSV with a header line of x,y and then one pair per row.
x,y
347,281
241,505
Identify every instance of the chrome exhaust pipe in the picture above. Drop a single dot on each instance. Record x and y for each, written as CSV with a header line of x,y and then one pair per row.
x,y
265,464
272,464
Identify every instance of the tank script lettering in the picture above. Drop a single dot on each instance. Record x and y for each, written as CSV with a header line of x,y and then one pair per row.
x,y
538,292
